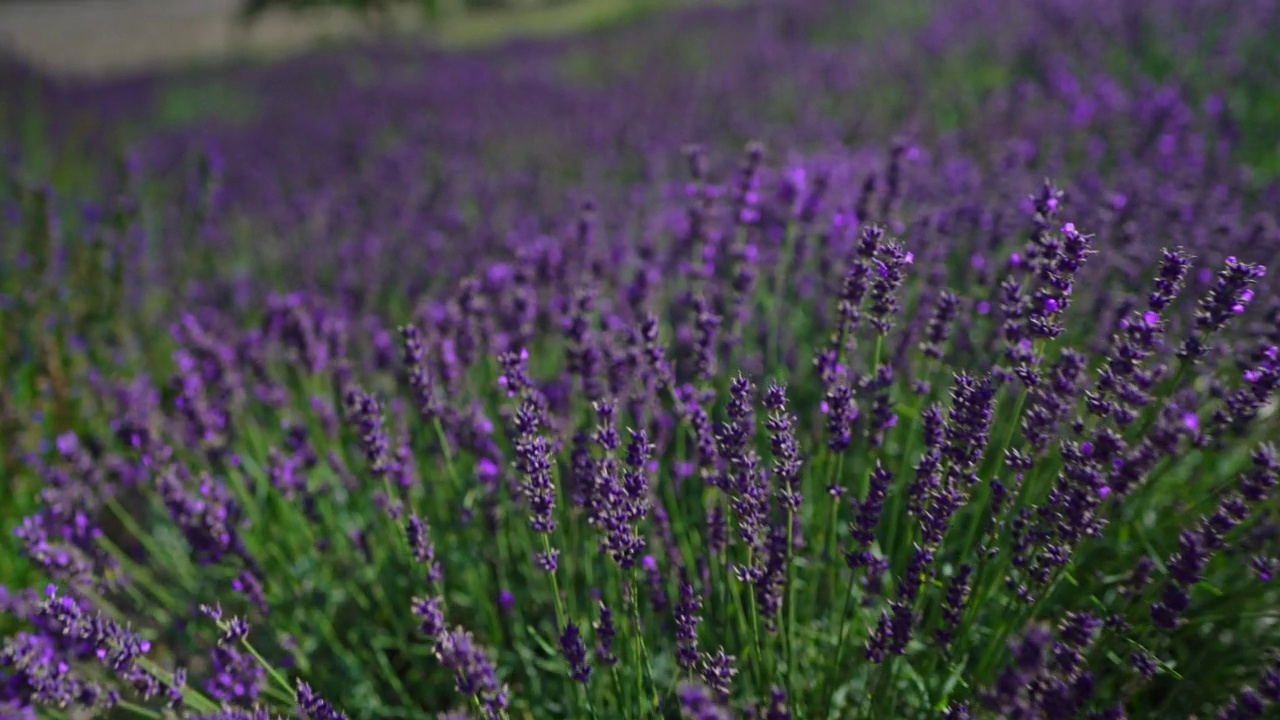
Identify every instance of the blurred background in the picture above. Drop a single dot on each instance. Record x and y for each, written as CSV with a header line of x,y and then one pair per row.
x,y
111,37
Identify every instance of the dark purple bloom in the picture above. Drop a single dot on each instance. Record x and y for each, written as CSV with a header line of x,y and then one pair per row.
x,y
862,529
430,614
423,549
787,462
954,604
365,413
697,703
889,273
419,372
472,670
938,332
688,615
236,677
583,355
575,653
717,671
605,634
313,707
1230,293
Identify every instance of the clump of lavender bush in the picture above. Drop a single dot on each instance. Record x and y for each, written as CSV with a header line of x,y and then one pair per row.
x,y
897,432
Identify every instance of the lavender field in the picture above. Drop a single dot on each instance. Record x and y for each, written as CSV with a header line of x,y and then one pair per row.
x,y
800,360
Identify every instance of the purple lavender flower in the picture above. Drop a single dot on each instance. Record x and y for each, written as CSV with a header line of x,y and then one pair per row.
x,y
605,634
866,512
1196,546
313,707
365,413
938,332
117,647
777,707
707,329
787,462
423,549
696,703
205,517
575,653
583,356
655,355
236,677
747,485
717,671
419,373
954,604
888,276
1231,292
430,614
472,670
31,663
688,615
534,459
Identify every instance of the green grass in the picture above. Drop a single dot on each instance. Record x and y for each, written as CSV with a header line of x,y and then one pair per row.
x,y
861,22
480,29
187,103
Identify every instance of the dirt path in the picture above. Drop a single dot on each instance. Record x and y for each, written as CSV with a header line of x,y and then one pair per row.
x,y
112,37
106,37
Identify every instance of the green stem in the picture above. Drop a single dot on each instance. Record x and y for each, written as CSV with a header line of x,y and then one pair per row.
x,y
828,693
617,688
833,525
755,628
639,651
561,621
138,710
789,637
181,562
271,670
779,291
902,483
196,700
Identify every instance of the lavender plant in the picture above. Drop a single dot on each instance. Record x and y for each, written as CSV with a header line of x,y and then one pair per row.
x,y
831,431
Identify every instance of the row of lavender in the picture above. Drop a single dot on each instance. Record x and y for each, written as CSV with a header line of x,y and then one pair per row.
x,y
852,426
